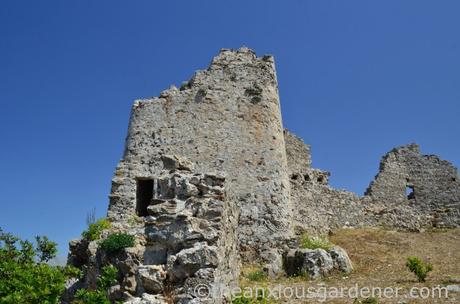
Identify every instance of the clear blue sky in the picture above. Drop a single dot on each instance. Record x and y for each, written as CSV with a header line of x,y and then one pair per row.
x,y
356,79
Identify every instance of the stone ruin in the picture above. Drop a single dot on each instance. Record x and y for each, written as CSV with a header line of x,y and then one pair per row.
x,y
209,180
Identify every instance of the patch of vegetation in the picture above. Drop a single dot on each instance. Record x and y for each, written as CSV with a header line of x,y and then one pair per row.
x,y
184,86
107,278
25,277
309,242
95,229
135,219
306,276
418,267
117,241
451,280
370,300
261,297
256,276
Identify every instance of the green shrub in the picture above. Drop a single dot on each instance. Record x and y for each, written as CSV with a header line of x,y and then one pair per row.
x,y
308,242
370,301
240,299
418,267
46,249
71,271
117,241
107,278
24,275
95,229
86,296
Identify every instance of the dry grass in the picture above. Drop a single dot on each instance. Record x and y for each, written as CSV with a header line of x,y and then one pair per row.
x,y
379,258
381,255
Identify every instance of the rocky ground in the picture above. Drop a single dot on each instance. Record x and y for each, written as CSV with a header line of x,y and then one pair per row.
x,y
379,258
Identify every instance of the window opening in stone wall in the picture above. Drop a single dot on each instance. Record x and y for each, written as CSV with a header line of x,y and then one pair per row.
x,y
144,195
295,177
410,192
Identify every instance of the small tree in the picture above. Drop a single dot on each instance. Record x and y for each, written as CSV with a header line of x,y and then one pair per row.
x,y
24,275
46,249
418,267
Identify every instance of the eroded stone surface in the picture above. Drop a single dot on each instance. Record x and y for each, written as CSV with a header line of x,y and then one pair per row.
x,y
311,263
341,260
316,263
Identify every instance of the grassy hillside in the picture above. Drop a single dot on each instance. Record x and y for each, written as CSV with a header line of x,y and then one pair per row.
x,y
379,258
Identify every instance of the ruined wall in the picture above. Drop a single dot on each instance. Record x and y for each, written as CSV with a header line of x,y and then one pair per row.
x,y
320,208
191,234
297,153
225,119
427,184
434,202
187,238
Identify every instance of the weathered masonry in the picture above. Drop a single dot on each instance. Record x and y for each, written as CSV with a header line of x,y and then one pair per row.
x,y
209,179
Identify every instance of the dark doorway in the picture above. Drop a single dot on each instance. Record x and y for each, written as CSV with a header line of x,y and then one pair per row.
x,y
144,195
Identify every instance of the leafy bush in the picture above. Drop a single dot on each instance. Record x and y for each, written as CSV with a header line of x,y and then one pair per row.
x,y
107,278
418,267
117,241
94,230
24,275
46,249
308,242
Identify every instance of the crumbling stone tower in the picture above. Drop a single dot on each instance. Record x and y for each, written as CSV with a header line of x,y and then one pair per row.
x,y
226,119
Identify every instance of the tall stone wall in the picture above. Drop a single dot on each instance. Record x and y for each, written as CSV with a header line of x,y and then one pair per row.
x,y
227,119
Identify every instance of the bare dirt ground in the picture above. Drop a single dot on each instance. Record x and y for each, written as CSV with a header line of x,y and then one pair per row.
x,y
379,258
